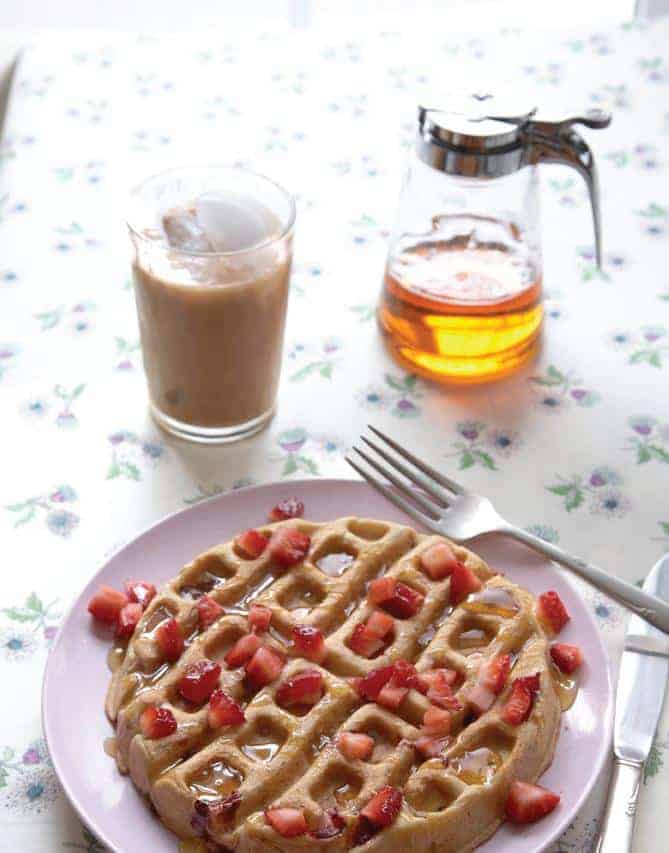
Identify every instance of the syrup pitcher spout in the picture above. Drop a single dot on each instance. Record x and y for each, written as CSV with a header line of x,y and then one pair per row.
x,y
558,142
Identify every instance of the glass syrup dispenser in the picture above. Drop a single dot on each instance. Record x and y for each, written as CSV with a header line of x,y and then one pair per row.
x,y
462,293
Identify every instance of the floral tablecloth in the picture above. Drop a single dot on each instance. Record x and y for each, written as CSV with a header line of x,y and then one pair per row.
x,y
575,448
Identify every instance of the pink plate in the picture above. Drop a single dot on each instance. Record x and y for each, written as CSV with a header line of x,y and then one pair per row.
x,y
76,675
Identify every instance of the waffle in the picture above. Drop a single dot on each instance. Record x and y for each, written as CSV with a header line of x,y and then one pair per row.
x,y
280,759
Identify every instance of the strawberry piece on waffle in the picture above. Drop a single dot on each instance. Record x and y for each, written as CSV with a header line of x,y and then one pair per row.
x,y
127,620
252,543
552,611
156,723
243,650
309,643
304,690
170,640
199,681
264,667
287,822
140,592
355,745
288,546
259,618
223,711
208,611
438,561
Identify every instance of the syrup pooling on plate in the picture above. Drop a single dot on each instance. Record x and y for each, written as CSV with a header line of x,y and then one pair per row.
x,y
287,751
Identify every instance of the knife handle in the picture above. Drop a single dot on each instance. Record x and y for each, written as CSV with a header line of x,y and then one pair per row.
x,y
618,823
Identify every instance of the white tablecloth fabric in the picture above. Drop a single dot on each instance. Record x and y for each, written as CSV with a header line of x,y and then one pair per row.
x,y
576,446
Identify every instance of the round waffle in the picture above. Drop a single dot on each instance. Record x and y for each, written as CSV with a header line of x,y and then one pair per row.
x,y
288,758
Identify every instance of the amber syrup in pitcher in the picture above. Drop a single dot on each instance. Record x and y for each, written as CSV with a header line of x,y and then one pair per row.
x,y
462,303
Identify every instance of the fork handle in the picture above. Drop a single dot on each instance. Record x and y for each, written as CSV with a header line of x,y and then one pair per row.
x,y
651,609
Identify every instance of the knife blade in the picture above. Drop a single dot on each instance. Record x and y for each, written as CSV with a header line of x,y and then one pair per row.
x,y
642,683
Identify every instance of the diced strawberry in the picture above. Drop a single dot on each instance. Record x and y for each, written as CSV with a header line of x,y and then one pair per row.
x,y
364,642
127,620
518,706
494,673
355,745
140,591
479,698
309,643
370,686
303,689
243,650
438,561
463,582
405,674
381,590
404,603
552,611
384,806
380,624
566,657
155,722
440,692
431,747
287,822
199,681
330,825
106,605
428,678
287,508
208,611
252,543
436,721
392,697
170,640
259,618
527,803
289,547
264,667
223,711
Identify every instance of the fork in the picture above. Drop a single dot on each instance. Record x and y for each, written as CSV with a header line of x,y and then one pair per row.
x,y
446,507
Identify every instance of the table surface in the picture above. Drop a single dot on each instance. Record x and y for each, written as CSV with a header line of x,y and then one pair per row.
x,y
574,447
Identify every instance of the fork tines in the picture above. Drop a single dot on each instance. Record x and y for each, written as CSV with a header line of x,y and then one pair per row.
x,y
421,476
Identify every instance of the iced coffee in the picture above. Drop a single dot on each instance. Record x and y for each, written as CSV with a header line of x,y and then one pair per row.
x,y
211,267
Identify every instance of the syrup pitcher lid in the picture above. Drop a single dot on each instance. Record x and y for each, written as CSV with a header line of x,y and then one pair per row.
x,y
482,135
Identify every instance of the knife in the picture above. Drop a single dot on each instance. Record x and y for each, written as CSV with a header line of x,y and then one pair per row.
x,y
643,678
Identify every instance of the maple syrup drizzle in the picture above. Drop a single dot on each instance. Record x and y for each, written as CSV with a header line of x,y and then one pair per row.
x,y
566,687
215,781
115,658
334,565
472,639
477,767
492,600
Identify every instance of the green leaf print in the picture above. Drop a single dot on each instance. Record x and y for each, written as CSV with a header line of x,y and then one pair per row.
x,y
665,526
486,459
290,467
659,452
573,500
309,464
397,384
466,460
643,454
18,614
654,764
4,773
131,471
560,490
34,603
114,471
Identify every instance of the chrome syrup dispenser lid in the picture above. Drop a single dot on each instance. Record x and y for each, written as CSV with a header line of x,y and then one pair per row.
x,y
484,136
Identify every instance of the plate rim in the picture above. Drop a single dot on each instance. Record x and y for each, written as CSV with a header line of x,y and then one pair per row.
x,y
604,752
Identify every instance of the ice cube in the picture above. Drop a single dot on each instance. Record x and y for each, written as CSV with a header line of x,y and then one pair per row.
x,y
184,232
233,222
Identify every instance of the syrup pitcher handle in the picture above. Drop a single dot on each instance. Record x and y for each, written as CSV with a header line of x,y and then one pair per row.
x,y
557,142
